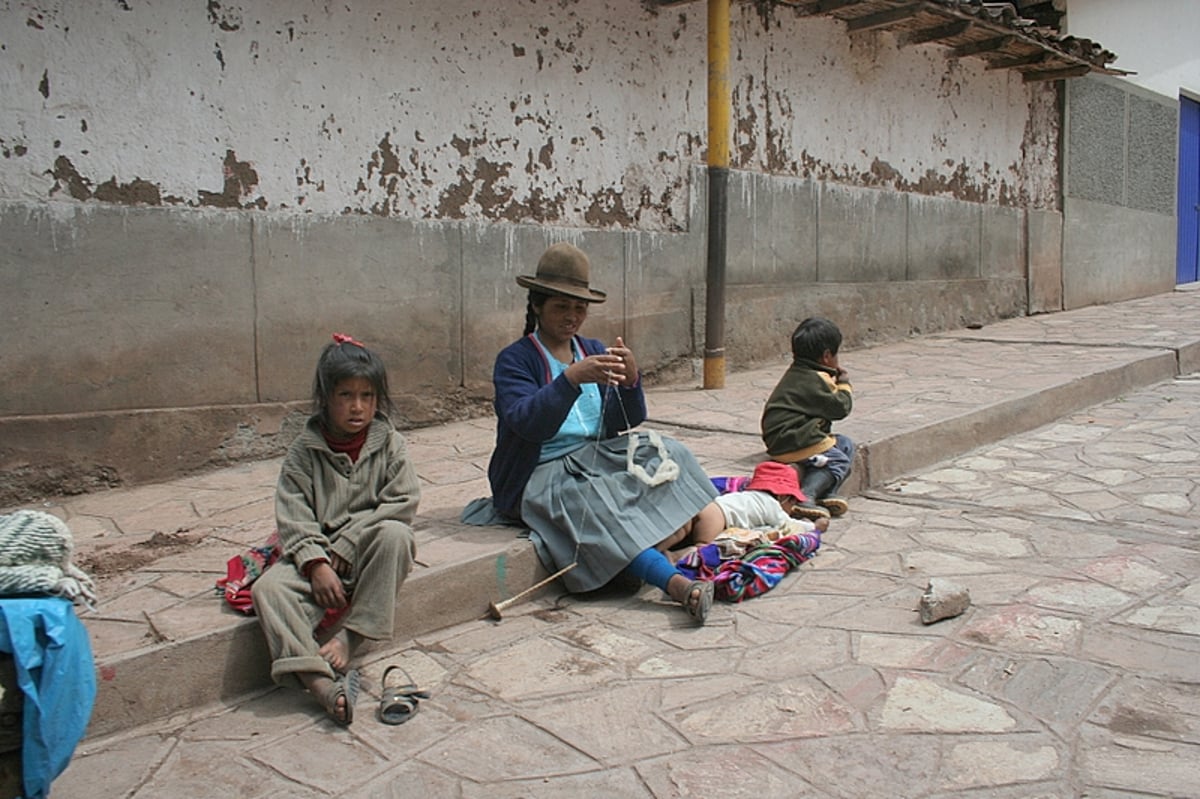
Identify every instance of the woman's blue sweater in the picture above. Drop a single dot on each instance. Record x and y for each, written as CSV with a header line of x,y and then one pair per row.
x,y
530,407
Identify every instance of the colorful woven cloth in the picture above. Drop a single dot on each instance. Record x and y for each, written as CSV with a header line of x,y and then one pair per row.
x,y
730,485
242,570
756,572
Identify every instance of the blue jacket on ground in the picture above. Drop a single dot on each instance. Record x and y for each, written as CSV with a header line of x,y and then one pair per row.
x,y
530,408
53,660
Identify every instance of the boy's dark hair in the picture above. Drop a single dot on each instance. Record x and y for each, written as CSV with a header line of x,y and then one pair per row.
x,y
345,358
813,336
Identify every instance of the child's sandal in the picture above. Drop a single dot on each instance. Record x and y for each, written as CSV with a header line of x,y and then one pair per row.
x,y
400,703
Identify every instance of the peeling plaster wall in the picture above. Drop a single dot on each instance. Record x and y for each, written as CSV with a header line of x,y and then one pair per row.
x,y
575,113
812,101
192,195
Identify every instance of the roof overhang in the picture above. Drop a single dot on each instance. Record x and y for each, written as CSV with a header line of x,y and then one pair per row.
x,y
993,32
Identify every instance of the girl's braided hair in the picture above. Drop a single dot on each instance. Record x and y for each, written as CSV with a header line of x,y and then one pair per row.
x,y
536,299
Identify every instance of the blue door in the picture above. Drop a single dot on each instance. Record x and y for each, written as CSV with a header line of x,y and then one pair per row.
x,y
1188,251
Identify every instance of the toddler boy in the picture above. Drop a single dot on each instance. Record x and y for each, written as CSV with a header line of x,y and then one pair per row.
x,y
798,418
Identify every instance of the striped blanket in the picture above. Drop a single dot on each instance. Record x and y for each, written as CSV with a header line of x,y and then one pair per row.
x,y
754,573
35,558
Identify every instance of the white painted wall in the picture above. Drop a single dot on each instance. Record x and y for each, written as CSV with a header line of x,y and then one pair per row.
x,y
1157,39
581,113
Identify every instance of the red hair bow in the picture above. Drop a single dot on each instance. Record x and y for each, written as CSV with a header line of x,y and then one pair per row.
x,y
342,338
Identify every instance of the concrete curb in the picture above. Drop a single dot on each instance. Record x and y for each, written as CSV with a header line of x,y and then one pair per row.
x,y
231,662
903,453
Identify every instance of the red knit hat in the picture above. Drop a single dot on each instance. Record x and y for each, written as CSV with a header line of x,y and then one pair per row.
x,y
778,478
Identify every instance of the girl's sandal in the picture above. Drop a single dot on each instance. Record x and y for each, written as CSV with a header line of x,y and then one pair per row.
x,y
344,685
399,703
699,604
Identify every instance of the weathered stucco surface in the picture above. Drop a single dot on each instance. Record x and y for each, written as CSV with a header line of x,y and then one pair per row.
x,y
575,113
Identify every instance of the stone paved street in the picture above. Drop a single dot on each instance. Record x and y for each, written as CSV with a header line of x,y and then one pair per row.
x,y
1075,672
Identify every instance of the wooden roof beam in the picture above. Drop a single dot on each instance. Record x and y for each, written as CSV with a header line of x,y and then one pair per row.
x,y
1056,74
883,19
1019,61
936,33
982,46
824,6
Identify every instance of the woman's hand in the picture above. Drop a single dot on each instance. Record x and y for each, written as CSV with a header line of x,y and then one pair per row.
x,y
629,370
603,368
616,366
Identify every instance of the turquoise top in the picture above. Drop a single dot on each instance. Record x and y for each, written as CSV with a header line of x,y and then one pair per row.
x,y
583,422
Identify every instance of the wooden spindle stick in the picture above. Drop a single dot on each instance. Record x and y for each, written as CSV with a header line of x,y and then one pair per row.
x,y
495,609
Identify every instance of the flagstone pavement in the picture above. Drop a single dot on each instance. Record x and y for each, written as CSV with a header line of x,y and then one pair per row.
x,y
1071,521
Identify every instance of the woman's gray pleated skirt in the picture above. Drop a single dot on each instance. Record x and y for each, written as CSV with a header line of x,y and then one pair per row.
x,y
586,506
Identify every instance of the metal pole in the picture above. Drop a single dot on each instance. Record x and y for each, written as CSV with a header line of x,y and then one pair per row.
x,y
718,179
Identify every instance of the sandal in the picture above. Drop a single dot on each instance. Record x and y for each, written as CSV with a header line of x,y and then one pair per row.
x,y
344,685
698,606
399,704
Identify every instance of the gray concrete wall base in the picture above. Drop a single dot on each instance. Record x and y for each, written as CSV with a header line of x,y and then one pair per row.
x,y
108,308
1113,253
760,318
1044,233
392,283
44,456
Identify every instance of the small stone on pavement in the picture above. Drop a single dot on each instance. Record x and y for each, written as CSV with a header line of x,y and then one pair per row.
x,y
943,599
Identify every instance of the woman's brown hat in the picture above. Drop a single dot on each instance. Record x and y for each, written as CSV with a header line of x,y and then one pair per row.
x,y
563,269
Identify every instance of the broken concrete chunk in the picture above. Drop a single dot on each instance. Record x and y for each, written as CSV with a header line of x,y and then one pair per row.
x,y
943,599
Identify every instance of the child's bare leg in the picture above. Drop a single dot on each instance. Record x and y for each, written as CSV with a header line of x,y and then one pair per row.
x,y
338,650
708,524
698,530
677,537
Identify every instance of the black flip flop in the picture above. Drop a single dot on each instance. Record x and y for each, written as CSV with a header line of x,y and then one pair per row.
x,y
399,703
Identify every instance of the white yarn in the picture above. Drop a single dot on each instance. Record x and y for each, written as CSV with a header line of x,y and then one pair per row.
x,y
667,469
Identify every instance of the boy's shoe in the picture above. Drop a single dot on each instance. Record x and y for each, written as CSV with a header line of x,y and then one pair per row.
x,y
809,510
836,505
814,484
